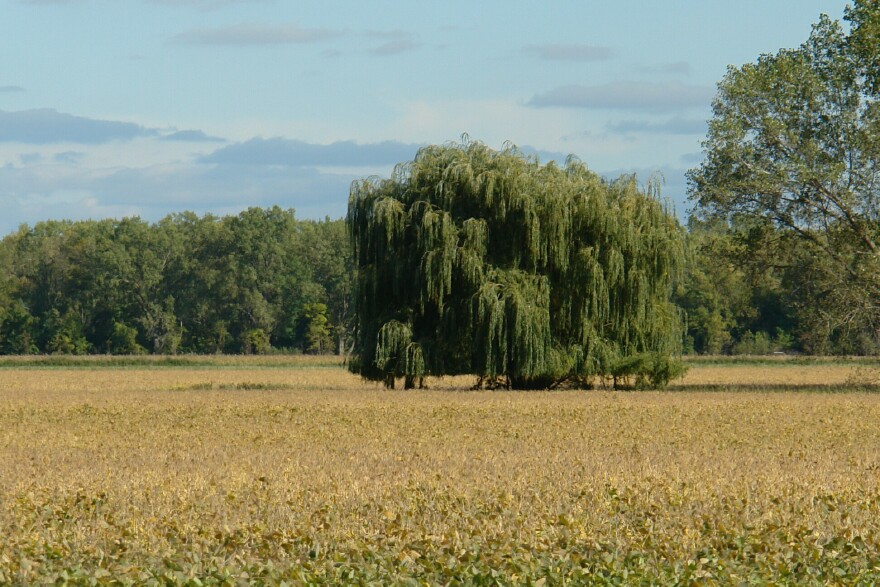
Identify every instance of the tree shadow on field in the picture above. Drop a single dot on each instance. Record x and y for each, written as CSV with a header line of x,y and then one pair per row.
x,y
846,387
862,378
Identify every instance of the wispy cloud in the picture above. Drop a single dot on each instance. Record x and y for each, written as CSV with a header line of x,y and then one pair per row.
x,y
674,126
396,42
11,89
677,67
294,153
69,157
570,52
250,34
393,42
394,47
47,126
192,136
627,95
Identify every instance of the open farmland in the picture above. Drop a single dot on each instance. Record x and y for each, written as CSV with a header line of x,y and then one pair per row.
x,y
231,470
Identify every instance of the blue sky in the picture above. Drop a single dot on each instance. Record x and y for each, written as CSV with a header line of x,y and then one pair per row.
x,y
112,108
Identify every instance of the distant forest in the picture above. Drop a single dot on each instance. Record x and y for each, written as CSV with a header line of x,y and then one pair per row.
x,y
264,281
258,282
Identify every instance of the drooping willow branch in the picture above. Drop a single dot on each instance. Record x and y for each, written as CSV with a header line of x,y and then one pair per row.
x,y
483,262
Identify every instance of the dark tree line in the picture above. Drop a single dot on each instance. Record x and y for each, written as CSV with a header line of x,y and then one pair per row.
x,y
263,281
250,283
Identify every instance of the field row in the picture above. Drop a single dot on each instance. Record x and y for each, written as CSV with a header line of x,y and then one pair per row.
x,y
310,476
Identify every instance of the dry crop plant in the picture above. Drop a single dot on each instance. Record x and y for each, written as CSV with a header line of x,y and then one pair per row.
x,y
483,262
237,476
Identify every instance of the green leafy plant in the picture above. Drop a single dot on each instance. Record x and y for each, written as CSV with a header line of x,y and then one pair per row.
x,y
483,262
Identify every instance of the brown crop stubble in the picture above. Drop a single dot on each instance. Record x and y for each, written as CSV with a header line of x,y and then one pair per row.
x,y
140,475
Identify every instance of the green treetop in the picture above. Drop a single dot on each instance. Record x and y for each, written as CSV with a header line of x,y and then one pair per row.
x,y
793,156
483,262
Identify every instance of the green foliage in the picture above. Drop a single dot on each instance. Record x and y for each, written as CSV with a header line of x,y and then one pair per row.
x,y
760,343
63,334
17,331
864,41
727,301
325,249
256,342
792,166
474,261
162,327
123,341
645,370
184,284
317,329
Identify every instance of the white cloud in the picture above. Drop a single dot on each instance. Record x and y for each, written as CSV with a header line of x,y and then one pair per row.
x,y
30,158
692,158
149,178
491,121
549,130
69,157
396,42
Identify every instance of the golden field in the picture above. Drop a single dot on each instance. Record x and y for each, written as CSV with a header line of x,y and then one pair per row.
x,y
266,471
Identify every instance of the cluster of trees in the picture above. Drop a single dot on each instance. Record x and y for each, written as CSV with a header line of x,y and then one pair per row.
x,y
752,302
560,276
469,260
249,283
263,280
788,197
192,284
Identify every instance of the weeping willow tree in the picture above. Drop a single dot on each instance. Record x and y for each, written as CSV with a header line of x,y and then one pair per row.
x,y
528,276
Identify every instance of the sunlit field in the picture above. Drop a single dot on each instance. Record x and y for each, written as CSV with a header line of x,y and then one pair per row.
x,y
231,470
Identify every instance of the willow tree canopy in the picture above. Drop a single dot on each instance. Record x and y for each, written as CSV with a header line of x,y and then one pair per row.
x,y
483,262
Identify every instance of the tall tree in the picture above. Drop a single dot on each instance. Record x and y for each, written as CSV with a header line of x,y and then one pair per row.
x,y
793,154
201,281
475,261
325,250
265,274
